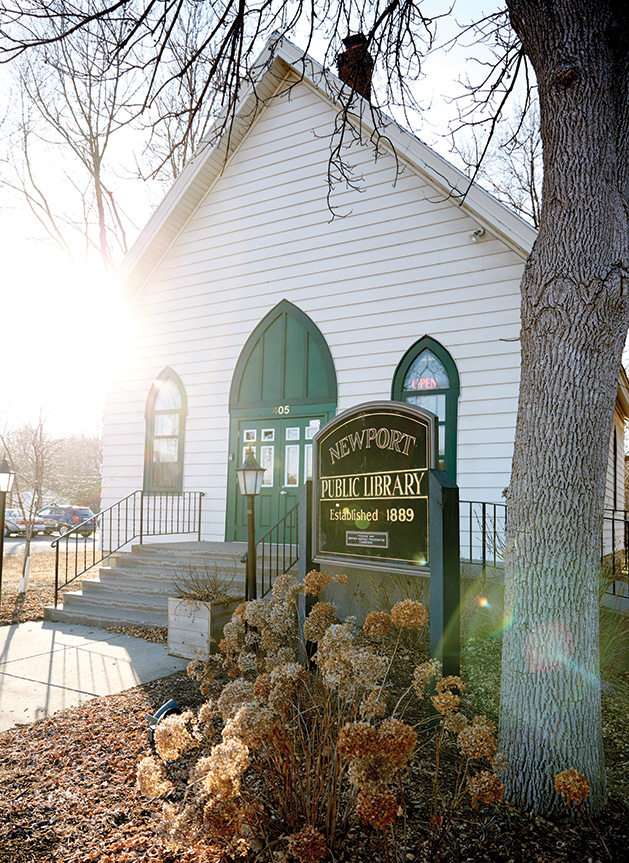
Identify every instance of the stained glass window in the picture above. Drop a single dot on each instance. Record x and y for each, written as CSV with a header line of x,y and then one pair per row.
x,y
427,377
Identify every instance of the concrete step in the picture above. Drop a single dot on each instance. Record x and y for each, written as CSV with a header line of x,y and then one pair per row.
x,y
81,611
132,588
122,585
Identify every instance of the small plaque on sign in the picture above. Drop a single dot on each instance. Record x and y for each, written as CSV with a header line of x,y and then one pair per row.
x,y
371,486
367,539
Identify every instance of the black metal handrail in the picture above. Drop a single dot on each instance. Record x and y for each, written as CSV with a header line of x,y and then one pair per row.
x,y
277,551
139,514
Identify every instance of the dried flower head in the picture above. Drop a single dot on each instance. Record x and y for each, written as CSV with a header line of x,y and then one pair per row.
x,y
424,673
478,740
573,786
340,578
357,739
262,685
370,771
256,611
446,701
308,845
285,679
316,581
345,667
218,774
448,683
374,704
454,722
485,788
377,807
252,724
281,656
233,696
377,624
222,818
396,741
247,662
409,613
151,777
285,587
323,614
172,737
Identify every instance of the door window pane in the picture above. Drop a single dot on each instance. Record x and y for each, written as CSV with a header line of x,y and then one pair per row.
x,y
291,466
292,434
266,461
308,461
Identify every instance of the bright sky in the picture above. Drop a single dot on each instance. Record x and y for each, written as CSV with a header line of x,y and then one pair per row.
x,y
64,326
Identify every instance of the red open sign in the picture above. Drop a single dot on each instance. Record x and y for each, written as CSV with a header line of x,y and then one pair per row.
x,y
424,384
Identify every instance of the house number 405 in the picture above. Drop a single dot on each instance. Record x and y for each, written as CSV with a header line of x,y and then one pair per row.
x,y
282,409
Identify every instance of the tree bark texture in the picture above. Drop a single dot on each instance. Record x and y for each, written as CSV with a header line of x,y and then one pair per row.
x,y
574,324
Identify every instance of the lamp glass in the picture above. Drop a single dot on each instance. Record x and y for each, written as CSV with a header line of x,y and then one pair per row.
x,y
6,476
250,475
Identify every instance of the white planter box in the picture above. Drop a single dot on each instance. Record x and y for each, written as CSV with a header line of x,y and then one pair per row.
x,y
196,627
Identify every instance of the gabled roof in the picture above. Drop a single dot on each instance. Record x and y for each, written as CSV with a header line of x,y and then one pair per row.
x,y
280,63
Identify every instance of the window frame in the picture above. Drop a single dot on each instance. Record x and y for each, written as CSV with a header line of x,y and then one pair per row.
x,y
399,393
150,414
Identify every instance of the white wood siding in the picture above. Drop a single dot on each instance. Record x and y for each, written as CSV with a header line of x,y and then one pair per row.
x,y
399,265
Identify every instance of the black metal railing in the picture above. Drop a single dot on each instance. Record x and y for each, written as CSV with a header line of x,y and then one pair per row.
x,y
482,536
277,551
615,551
482,528
141,514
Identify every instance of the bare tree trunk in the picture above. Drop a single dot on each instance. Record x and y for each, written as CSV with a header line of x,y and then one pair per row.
x,y
574,323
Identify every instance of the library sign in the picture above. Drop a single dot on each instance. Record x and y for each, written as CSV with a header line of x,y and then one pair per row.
x,y
371,486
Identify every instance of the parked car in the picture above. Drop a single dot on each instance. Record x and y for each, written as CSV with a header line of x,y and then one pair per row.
x,y
65,519
16,525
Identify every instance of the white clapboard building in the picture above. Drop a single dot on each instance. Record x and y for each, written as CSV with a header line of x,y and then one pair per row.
x,y
258,317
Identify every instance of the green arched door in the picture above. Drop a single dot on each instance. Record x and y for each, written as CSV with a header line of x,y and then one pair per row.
x,y
283,390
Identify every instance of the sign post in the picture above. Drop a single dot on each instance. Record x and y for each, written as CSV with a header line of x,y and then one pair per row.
x,y
381,504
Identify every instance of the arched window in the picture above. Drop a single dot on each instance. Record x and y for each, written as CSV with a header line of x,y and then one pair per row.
x,y
427,376
165,425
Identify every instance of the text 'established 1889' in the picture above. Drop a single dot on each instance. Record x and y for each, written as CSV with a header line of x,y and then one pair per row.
x,y
371,486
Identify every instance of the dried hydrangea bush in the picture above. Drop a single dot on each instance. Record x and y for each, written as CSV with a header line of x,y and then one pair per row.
x,y
290,756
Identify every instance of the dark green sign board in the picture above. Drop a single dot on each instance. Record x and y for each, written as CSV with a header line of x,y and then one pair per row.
x,y
371,482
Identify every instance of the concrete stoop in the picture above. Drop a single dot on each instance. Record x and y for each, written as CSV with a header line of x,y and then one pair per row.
x,y
132,587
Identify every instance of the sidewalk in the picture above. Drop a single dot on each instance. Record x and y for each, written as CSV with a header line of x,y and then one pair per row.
x,y
46,667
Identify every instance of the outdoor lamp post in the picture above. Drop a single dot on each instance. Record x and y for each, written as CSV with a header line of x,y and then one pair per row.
x,y
250,480
6,481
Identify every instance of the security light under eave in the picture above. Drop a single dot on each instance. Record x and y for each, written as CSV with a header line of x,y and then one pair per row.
x,y
250,474
6,476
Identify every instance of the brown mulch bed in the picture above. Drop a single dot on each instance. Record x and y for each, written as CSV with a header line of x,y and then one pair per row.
x,y
68,793
16,608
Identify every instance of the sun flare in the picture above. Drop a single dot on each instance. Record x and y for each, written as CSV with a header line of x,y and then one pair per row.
x,y
67,333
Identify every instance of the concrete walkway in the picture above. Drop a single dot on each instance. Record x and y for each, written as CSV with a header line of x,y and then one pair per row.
x,y
46,667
